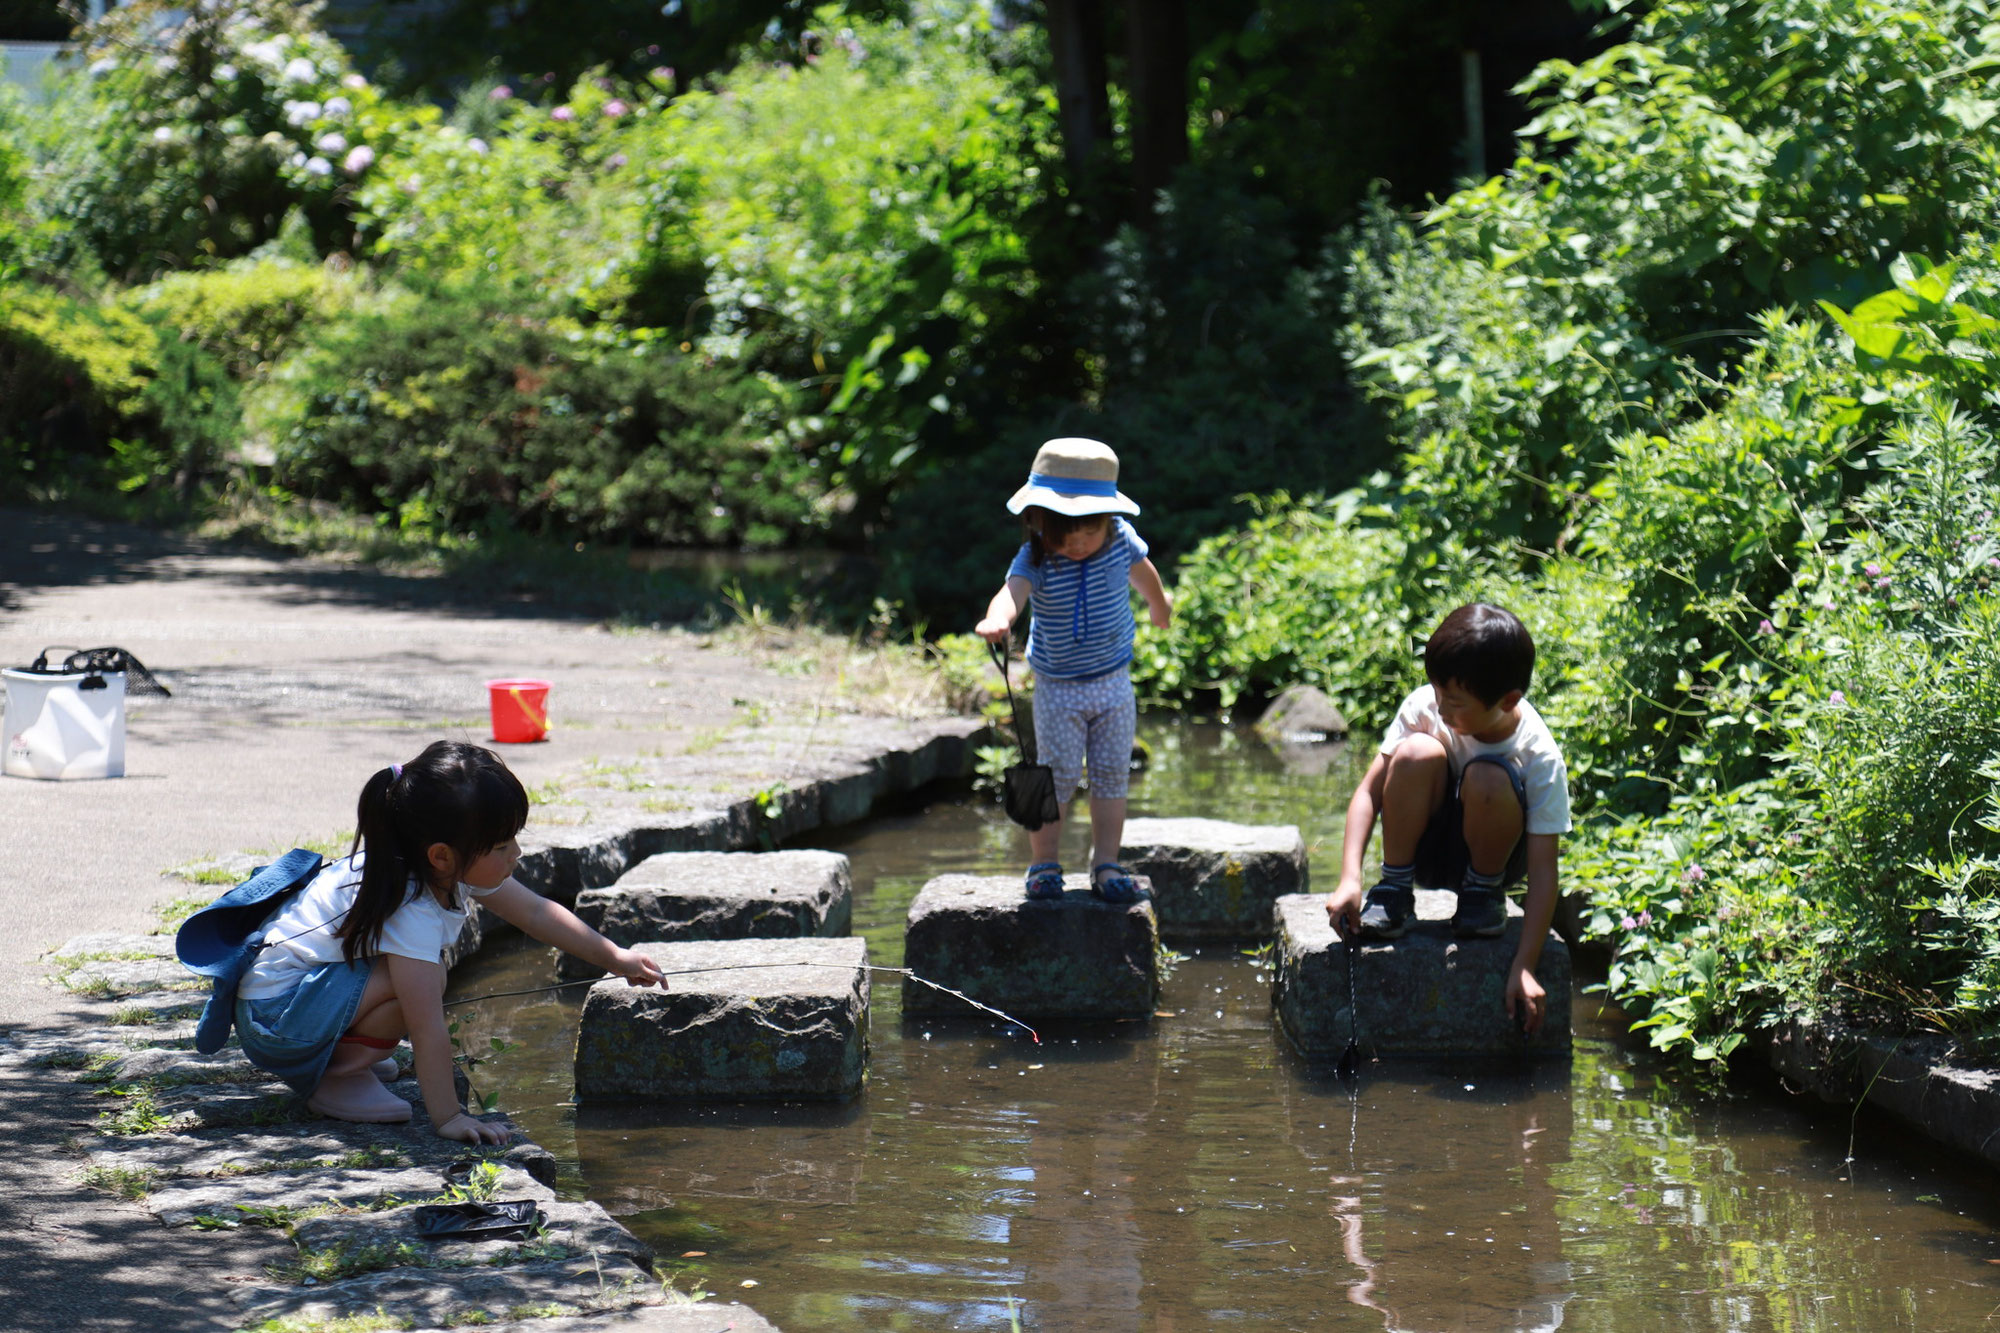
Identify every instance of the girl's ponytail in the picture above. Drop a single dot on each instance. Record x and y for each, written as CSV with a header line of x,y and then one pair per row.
x,y
387,868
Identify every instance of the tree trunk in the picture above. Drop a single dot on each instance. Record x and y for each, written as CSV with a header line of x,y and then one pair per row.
x,y
1156,47
1076,43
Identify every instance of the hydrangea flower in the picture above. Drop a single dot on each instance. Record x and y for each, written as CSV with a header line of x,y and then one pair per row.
x,y
300,70
318,166
477,145
501,92
615,161
332,142
359,160
226,73
562,113
615,108
353,81
301,113
337,106
163,134
100,68
267,52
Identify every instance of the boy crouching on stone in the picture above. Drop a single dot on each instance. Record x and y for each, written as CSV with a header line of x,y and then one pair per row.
x,y
1473,795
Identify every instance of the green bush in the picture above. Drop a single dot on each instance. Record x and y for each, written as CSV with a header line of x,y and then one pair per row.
x,y
457,413
72,373
250,315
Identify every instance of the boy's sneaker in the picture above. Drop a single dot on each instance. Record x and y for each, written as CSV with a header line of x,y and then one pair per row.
x,y
1386,912
1481,913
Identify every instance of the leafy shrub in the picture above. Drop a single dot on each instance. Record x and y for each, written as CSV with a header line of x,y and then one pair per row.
x,y
458,413
197,129
72,372
250,315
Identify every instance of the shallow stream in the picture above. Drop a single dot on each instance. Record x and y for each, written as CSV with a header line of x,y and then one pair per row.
x,y
1191,1172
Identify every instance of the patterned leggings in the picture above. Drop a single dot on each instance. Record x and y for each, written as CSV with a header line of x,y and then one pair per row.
x,y
1094,717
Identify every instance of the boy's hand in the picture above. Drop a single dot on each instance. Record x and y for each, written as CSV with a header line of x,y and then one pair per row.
x,y
1161,614
992,629
1527,1002
1343,908
636,968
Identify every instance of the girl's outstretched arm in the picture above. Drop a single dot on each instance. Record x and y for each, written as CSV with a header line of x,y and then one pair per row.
x,y
420,991
1000,612
552,923
1146,578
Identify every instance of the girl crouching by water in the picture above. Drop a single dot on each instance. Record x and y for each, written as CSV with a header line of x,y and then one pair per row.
x,y
355,961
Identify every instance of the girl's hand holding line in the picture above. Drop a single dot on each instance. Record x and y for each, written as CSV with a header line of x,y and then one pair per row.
x,y
637,969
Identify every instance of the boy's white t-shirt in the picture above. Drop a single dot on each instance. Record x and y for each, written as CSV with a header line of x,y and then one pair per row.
x,y
1531,748
302,931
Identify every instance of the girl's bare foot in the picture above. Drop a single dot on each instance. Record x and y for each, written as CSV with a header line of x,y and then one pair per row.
x,y
359,1097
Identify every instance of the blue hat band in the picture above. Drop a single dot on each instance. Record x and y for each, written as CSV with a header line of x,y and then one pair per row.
x,y
1072,485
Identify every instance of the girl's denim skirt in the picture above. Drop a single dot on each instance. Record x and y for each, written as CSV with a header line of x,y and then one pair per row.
x,y
292,1035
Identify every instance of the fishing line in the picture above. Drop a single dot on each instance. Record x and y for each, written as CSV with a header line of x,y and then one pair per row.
x,y
744,967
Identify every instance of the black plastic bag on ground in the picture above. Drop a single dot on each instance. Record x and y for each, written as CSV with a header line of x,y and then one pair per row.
x,y
509,1219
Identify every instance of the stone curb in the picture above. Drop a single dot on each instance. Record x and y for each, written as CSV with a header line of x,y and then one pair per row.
x,y
208,1142
1912,1078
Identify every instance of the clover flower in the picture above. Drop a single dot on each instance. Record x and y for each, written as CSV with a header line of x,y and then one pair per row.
x,y
1838,699
1766,627
1883,582
1871,569
1627,923
1694,874
1645,918
615,108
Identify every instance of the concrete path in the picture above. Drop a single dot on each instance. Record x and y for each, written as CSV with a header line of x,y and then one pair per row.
x,y
293,681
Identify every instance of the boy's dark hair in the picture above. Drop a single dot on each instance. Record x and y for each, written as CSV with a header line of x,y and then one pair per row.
x,y
460,795
1484,650
1048,530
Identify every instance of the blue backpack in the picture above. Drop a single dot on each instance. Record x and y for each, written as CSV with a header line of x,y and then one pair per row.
x,y
215,942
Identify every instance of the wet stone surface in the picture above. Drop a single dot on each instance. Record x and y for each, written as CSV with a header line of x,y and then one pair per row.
x,y
364,1187
1214,880
1426,994
741,1020
1072,957
678,896
609,1282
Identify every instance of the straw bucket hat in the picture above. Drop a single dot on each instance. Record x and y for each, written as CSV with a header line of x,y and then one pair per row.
x,y
1074,477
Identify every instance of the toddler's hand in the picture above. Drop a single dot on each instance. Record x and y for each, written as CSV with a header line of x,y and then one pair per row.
x,y
464,1129
993,629
1161,616
637,969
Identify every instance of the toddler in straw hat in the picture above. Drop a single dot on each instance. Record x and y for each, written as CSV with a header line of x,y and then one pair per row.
x,y
1074,569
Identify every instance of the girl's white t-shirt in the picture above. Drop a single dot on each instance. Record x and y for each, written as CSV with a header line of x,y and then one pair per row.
x,y
1531,748
301,935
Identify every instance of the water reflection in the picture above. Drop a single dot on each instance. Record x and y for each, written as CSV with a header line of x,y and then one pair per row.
x,y
1189,1173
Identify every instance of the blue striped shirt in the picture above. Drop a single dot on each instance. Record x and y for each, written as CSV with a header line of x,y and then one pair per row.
x,y
1082,624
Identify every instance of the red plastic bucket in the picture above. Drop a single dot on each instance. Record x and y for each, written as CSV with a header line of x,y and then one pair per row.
x,y
520,710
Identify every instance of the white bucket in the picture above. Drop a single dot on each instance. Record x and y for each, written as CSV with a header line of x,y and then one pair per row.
x,y
55,728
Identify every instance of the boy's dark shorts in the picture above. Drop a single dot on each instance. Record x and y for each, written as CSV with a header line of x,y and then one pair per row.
x,y
1442,855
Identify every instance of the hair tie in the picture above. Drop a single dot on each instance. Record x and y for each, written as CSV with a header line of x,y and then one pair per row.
x,y
395,772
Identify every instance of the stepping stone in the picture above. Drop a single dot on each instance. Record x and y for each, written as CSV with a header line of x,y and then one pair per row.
x,y
1214,880
362,1187
718,896
449,1297
1426,994
742,1020
85,948
707,1317
581,1228
1071,957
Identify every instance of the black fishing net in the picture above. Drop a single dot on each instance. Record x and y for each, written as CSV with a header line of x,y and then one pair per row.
x,y
99,662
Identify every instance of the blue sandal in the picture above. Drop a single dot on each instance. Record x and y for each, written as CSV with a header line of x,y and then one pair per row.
x,y
1045,880
1114,883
